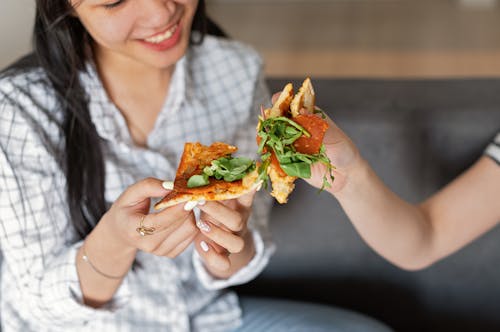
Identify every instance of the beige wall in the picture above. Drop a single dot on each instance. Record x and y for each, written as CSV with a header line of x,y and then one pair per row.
x,y
366,37
16,22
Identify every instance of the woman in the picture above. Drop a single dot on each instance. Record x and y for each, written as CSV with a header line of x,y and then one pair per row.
x,y
109,97
413,236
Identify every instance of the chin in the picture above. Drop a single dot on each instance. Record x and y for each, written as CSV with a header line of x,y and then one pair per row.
x,y
167,61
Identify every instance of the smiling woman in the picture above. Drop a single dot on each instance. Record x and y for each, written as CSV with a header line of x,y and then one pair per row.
x,y
89,124
148,33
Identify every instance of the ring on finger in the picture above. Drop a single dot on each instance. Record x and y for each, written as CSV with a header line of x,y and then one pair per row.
x,y
143,230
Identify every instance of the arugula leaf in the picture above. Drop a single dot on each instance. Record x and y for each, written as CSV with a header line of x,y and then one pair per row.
x,y
263,176
278,135
263,140
288,121
197,181
228,168
299,169
265,156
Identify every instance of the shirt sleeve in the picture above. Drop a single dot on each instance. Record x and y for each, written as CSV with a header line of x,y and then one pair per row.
x,y
36,235
493,150
245,140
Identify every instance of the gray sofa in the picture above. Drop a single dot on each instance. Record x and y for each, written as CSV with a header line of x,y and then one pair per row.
x,y
418,135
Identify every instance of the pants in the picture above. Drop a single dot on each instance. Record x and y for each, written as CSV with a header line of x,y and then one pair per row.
x,y
272,315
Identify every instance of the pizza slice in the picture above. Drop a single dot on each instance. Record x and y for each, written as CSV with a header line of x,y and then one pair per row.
x,y
211,173
290,137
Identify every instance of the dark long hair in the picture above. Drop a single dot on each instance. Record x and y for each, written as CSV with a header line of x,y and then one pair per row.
x,y
62,49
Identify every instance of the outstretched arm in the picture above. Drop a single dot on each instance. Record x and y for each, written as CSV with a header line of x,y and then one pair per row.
x,y
411,236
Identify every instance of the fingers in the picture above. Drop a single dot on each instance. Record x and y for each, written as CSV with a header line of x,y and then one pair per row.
x,y
178,241
162,225
163,219
144,189
181,247
231,242
247,199
170,242
216,261
222,214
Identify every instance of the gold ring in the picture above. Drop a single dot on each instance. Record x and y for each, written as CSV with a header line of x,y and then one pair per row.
x,y
143,230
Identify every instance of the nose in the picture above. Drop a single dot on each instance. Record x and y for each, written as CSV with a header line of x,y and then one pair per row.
x,y
156,13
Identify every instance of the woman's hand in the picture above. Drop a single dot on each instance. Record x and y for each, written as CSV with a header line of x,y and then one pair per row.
x,y
111,247
343,154
225,243
173,229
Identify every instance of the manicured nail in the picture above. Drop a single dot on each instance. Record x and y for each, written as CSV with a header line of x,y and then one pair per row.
x,y
197,213
169,185
202,202
204,246
203,225
190,205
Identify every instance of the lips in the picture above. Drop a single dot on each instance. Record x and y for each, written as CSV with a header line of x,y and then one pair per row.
x,y
158,38
164,40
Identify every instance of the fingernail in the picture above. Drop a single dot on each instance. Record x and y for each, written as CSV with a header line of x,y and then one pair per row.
x,y
204,246
202,202
169,185
197,213
259,187
190,205
203,225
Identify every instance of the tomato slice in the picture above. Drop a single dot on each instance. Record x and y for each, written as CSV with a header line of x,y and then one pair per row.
x,y
315,126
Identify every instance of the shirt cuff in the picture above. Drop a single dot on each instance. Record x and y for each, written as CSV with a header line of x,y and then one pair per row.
x,y
263,252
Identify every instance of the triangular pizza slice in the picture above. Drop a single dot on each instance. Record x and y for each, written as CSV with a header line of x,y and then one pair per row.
x,y
211,173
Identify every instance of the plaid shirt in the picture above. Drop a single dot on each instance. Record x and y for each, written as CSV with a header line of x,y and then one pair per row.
x,y
215,94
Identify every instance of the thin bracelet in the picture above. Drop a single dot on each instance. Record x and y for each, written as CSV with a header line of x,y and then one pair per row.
x,y
86,258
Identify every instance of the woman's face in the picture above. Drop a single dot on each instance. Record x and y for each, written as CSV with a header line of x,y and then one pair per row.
x,y
151,32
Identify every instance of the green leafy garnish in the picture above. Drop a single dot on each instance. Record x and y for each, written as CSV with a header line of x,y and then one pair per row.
x,y
198,181
278,135
263,170
299,169
227,168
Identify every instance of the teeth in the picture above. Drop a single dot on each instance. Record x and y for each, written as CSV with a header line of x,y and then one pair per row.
x,y
164,36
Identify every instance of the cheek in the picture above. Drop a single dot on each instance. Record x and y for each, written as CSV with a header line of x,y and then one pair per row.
x,y
109,32
190,7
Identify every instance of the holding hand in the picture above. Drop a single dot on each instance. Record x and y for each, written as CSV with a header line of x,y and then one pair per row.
x,y
225,243
341,151
110,249
167,233
343,154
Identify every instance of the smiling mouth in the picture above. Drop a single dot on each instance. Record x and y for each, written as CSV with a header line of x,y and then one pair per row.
x,y
163,36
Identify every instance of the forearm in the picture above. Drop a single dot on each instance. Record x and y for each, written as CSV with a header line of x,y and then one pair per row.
x,y
397,230
105,255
